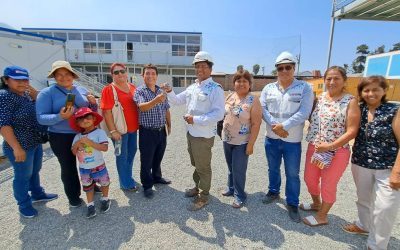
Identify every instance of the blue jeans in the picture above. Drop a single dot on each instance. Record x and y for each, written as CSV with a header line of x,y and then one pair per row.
x,y
237,160
275,149
125,160
26,175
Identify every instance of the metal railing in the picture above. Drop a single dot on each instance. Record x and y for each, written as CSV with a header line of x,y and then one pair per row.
x,y
342,3
89,83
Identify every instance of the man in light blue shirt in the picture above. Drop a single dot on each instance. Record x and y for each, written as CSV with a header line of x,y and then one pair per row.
x,y
286,103
204,101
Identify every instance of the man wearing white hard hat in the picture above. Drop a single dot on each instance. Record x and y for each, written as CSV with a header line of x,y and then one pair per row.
x,y
286,103
204,101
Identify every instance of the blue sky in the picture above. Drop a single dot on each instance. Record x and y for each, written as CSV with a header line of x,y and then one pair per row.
x,y
234,32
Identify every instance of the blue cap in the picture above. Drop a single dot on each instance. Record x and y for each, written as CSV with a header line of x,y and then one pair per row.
x,y
16,72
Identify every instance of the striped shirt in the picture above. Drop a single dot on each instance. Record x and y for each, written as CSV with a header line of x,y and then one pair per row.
x,y
156,116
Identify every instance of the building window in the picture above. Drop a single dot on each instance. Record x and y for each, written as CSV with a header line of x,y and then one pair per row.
x,y
191,72
193,39
178,50
178,39
163,38
192,50
162,71
92,69
89,36
119,37
134,38
75,36
178,72
178,81
148,38
190,80
61,35
104,48
90,47
103,37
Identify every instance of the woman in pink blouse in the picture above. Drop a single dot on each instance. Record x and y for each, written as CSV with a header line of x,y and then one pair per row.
x,y
241,126
334,122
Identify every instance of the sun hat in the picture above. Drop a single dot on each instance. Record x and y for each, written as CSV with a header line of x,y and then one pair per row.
x,y
61,64
80,113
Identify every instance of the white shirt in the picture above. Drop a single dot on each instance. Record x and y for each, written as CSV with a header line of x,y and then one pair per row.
x,y
290,107
89,157
205,101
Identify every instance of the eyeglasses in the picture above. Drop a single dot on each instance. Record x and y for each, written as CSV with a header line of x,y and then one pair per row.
x,y
287,68
116,72
85,117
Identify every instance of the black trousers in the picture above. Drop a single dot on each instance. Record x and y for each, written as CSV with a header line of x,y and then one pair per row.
x,y
152,144
61,145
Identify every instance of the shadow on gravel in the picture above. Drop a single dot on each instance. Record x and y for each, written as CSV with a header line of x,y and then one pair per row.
x,y
51,230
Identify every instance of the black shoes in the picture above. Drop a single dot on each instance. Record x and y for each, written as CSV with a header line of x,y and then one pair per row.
x,y
163,181
270,197
77,203
105,206
91,212
148,193
294,213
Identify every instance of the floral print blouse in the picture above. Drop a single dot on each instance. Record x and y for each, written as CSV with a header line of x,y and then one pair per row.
x,y
376,146
328,120
237,122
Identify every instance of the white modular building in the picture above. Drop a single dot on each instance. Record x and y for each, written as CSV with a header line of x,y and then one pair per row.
x,y
92,51
34,52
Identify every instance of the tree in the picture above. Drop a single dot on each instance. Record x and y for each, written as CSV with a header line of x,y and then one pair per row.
x,y
256,68
359,62
346,67
239,67
379,50
396,46
274,72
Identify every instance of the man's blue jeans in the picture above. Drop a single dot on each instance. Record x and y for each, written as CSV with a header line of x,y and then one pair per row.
x,y
26,175
237,160
125,160
276,149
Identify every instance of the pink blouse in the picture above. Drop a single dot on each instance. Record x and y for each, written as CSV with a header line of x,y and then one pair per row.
x,y
237,122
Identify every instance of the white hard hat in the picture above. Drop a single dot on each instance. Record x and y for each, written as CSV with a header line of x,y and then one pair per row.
x,y
202,56
285,57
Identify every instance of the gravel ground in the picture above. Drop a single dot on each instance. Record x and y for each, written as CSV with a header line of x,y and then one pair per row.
x,y
164,222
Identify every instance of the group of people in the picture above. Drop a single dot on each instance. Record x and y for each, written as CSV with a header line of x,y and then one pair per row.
x,y
335,118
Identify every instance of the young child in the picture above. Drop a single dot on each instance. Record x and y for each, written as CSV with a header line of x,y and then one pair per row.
x,y
87,146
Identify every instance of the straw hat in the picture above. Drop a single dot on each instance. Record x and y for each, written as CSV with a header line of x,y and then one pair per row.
x,y
61,64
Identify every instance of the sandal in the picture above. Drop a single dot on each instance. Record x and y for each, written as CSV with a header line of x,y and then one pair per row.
x,y
352,228
312,222
308,207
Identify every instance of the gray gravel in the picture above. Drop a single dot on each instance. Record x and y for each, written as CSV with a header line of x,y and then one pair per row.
x,y
164,222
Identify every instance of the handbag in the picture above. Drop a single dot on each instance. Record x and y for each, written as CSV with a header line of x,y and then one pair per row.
x,y
118,116
322,159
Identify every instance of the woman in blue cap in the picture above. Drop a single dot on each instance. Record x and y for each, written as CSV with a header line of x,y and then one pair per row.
x,y
22,146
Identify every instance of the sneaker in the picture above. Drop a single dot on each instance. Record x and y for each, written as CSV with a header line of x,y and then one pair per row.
x,y
191,192
200,202
294,213
77,203
105,206
148,193
91,212
270,197
28,212
44,198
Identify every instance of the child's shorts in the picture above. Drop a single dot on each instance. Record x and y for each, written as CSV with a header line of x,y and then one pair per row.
x,y
90,176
